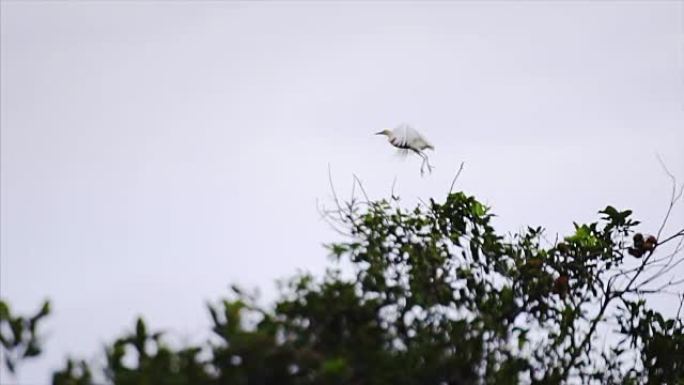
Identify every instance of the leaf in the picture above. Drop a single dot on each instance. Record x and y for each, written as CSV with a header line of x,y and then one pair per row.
x,y
9,363
140,329
4,311
44,310
17,327
478,209
334,366
32,350
522,339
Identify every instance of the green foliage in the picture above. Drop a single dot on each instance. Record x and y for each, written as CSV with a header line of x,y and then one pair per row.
x,y
19,337
437,296
156,363
74,373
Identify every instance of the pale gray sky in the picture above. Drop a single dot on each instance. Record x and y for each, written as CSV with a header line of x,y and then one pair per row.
x,y
155,152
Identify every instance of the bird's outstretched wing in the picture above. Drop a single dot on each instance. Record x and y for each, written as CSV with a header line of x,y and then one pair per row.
x,y
407,137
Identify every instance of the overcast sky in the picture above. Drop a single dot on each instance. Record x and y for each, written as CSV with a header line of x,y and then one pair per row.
x,y
155,152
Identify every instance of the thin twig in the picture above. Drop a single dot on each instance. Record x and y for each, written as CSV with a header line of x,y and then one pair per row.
x,y
326,216
453,181
667,266
673,236
674,196
394,182
681,301
361,187
332,189
353,190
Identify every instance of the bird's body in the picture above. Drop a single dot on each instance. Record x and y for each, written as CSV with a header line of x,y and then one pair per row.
x,y
406,138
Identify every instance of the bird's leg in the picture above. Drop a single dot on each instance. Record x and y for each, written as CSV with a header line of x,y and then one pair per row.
x,y
422,165
426,162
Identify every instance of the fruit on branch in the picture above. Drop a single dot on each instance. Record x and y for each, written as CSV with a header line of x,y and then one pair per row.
x,y
534,263
561,285
641,245
650,243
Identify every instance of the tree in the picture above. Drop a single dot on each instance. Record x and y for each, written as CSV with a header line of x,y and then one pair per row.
x,y
439,297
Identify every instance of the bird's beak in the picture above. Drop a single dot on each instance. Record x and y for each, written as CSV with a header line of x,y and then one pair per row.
x,y
380,133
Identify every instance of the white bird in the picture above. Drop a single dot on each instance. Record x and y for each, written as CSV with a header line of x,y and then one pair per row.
x,y
405,138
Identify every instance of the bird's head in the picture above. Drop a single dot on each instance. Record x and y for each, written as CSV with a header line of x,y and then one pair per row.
x,y
384,132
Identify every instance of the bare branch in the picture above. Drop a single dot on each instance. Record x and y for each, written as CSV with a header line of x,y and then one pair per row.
x,y
674,195
332,189
456,177
649,261
326,216
365,195
675,235
392,196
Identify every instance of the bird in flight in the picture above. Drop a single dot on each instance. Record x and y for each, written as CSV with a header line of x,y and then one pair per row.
x,y
406,138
